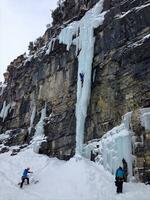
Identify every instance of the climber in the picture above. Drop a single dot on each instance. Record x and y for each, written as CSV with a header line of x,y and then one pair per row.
x,y
95,154
25,176
82,79
125,168
119,179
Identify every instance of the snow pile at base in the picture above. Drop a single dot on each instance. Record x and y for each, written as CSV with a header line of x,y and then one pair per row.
x,y
61,180
39,136
114,146
81,34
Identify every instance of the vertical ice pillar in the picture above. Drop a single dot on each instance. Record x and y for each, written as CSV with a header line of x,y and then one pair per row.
x,y
33,113
39,134
92,19
83,33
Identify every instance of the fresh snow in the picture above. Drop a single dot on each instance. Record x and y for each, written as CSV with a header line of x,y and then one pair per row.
x,y
139,42
81,34
61,180
123,14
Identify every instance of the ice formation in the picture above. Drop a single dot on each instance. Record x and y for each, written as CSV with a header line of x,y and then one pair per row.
x,y
145,118
114,146
39,134
81,34
4,111
2,87
50,46
126,119
32,116
33,113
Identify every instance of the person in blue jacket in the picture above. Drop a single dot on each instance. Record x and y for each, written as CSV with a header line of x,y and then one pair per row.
x,y
25,176
119,179
82,78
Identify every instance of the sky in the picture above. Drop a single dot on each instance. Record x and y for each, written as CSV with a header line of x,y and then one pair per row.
x,y
21,22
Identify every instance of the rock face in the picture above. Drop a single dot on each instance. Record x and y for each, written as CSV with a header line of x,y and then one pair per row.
x,y
121,81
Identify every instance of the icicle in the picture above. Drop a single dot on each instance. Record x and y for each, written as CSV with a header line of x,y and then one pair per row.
x,y
2,87
49,48
33,111
126,120
4,111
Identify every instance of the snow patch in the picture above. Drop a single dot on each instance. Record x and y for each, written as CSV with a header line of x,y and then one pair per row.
x,y
138,8
61,180
139,42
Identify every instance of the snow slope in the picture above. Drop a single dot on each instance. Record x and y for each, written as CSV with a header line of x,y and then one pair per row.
x,y
61,180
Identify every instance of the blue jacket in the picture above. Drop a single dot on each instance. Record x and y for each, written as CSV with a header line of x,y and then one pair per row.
x,y
120,172
81,76
25,173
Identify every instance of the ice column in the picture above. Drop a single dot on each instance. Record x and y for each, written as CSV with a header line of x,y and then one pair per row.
x,y
39,134
83,33
4,111
145,118
33,112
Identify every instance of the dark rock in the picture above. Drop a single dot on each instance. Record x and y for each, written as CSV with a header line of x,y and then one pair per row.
x,y
15,152
4,149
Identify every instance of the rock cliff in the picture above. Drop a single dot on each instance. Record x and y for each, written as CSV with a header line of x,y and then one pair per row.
x,y
48,77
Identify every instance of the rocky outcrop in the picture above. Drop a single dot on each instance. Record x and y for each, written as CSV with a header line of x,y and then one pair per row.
x,y
121,80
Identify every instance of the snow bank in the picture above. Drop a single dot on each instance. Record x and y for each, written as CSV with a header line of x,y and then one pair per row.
x,y
81,34
61,180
